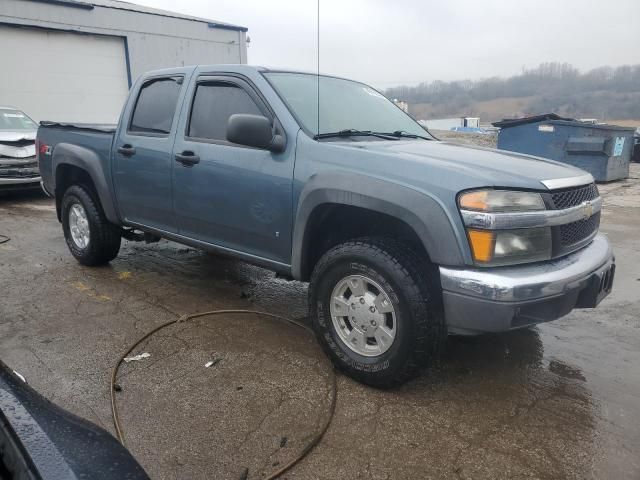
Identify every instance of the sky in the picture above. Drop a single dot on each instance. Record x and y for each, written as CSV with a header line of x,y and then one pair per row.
x,y
404,42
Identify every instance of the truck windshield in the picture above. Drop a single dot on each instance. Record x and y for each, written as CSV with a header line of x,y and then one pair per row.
x,y
15,120
345,106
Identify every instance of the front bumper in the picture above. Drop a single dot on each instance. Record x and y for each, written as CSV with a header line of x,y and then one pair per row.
x,y
19,182
505,298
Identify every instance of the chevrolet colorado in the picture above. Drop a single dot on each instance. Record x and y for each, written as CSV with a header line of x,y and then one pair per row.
x,y
403,238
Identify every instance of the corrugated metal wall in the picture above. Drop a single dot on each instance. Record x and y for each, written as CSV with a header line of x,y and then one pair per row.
x,y
53,75
145,42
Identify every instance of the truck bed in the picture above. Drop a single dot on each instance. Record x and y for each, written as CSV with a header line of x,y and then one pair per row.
x,y
94,139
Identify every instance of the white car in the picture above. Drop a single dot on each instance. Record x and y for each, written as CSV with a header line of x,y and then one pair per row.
x,y
18,164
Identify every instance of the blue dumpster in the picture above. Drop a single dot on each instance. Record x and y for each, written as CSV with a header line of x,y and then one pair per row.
x,y
602,150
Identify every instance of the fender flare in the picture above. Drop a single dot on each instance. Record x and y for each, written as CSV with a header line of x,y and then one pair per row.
x,y
421,212
90,162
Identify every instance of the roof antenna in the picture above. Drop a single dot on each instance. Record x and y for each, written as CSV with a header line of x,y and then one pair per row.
x,y
318,55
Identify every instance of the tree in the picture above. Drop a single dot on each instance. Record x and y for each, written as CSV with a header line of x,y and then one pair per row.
x,y
551,86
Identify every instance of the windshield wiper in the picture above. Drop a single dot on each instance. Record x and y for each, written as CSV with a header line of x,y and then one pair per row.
x,y
351,132
403,134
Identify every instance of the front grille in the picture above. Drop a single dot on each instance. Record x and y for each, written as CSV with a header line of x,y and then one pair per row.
x,y
575,232
19,170
572,236
25,173
571,197
19,167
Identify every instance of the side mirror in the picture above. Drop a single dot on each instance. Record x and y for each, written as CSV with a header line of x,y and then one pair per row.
x,y
253,131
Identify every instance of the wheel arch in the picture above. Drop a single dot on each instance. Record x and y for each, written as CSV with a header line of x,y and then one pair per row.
x,y
77,165
405,212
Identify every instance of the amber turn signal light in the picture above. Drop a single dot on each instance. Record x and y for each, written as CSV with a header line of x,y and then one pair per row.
x,y
482,244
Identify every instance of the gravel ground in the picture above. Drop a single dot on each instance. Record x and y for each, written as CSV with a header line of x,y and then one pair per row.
x,y
487,140
558,401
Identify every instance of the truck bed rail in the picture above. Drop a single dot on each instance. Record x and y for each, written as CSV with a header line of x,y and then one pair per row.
x,y
95,127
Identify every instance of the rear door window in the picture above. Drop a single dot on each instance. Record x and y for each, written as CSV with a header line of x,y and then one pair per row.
x,y
213,104
156,106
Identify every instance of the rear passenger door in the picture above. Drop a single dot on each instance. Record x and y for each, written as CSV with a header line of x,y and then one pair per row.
x,y
143,154
235,197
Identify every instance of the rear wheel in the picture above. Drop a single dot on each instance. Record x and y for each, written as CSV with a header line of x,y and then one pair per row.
x,y
91,238
375,307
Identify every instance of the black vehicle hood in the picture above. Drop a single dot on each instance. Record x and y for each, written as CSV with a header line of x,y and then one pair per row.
x,y
41,440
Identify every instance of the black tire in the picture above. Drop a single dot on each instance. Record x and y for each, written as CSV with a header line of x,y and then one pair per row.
x,y
104,237
412,285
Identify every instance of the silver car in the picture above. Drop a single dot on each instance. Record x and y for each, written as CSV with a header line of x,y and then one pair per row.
x,y
18,164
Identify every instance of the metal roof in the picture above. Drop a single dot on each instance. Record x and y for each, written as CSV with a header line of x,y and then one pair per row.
x,y
555,119
133,7
514,122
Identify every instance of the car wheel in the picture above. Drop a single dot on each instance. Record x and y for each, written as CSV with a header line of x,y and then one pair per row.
x,y
375,307
91,238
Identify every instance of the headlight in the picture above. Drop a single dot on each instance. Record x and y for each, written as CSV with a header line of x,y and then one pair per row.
x,y
505,246
500,201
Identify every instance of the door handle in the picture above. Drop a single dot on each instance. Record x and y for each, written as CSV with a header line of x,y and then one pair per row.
x,y
187,158
127,150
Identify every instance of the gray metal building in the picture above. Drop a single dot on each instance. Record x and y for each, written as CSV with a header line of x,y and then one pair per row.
x,y
74,60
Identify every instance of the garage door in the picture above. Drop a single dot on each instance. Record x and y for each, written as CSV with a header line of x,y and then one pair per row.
x,y
61,76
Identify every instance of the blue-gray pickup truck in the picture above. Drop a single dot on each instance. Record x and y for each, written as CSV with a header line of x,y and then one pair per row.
x,y
402,237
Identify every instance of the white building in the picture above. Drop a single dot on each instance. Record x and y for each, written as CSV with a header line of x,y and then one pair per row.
x,y
449,123
74,60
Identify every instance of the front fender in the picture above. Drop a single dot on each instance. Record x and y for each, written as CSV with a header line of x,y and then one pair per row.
x,y
421,212
89,161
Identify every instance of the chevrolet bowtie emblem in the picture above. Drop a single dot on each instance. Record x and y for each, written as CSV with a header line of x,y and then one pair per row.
x,y
587,209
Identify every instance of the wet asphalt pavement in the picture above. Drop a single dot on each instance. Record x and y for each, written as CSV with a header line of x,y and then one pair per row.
x,y
558,401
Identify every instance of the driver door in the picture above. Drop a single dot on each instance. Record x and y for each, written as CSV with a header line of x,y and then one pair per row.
x,y
236,197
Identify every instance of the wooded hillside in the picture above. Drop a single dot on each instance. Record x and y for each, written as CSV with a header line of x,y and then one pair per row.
x,y
603,93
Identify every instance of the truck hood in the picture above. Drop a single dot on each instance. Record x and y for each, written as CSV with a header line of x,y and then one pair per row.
x,y
17,135
17,144
416,160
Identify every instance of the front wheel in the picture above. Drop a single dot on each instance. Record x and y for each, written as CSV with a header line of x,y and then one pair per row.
x,y
91,238
375,307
